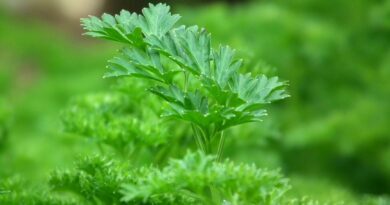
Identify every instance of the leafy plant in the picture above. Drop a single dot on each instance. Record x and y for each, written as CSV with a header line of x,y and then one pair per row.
x,y
308,41
184,181
116,120
14,191
95,179
188,181
200,84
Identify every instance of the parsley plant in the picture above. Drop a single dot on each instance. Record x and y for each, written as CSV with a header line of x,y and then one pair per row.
x,y
200,84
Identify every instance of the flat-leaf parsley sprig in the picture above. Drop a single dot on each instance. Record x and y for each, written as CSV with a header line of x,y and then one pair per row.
x,y
202,85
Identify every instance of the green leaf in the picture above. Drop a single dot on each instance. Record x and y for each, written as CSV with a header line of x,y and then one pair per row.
x,y
225,66
258,90
156,20
128,27
188,47
121,28
224,69
191,106
143,63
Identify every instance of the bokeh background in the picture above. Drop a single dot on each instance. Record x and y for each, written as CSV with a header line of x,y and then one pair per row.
x,y
331,138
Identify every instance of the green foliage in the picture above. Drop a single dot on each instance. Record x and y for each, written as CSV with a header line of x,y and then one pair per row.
x,y
114,119
336,60
95,179
184,181
331,139
14,192
188,181
210,93
214,95
126,27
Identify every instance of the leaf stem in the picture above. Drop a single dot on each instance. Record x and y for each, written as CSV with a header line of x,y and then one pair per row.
x,y
198,138
206,140
220,146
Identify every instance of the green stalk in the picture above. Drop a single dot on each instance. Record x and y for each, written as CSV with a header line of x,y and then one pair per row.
x,y
220,146
198,138
206,140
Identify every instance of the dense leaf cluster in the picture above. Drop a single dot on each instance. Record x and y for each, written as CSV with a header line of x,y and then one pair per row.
x,y
95,179
113,119
202,85
14,191
192,180
182,181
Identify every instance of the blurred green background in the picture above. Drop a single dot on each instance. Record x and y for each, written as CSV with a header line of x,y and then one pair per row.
x,y
331,138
